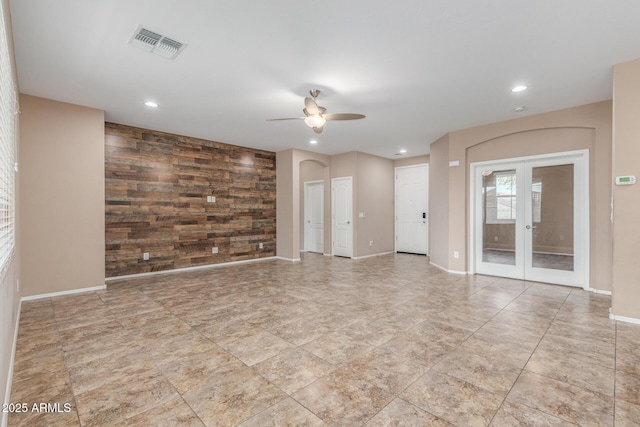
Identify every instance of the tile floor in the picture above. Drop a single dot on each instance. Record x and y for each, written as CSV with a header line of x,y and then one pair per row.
x,y
539,260
385,341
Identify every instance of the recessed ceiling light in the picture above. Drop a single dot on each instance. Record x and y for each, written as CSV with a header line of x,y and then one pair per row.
x,y
519,88
402,151
519,109
151,104
313,141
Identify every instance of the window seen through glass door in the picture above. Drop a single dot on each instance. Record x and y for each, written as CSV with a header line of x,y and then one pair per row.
x,y
499,200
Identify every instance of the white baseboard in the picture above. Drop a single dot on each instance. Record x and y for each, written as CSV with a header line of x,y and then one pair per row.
x,y
373,255
448,271
7,394
198,267
598,291
288,259
624,319
327,254
61,293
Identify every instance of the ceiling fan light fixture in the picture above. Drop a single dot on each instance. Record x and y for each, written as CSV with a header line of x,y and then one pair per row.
x,y
314,122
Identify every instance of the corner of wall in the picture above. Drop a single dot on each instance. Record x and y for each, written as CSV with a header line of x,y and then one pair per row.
x,y
439,202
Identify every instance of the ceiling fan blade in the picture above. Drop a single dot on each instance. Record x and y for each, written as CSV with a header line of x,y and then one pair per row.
x,y
318,130
343,116
310,106
286,118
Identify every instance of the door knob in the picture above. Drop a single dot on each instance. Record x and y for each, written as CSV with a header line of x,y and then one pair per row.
x,y
529,227
348,222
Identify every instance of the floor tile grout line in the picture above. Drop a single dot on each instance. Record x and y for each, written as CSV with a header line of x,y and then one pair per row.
x,y
525,365
429,368
533,351
485,323
248,366
476,290
168,379
66,366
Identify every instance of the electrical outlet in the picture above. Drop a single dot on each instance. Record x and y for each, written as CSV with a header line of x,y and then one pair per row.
x,y
261,245
145,256
214,250
562,237
456,254
370,243
495,238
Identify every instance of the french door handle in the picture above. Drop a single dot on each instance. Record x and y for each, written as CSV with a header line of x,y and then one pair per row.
x,y
529,227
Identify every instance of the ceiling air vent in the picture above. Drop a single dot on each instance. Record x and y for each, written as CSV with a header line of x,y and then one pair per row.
x,y
168,48
156,43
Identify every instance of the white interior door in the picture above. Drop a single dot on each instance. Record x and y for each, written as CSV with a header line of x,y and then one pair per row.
x,y
342,214
314,216
412,213
531,219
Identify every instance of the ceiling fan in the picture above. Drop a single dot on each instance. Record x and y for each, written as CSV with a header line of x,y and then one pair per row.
x,y
316,116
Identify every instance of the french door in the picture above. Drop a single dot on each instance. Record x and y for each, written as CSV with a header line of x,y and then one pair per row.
x,y
531,218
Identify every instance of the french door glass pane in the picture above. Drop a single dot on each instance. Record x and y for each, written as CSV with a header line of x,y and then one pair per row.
x,y
499,217
552,217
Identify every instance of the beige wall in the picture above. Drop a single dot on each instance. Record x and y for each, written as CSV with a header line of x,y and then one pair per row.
x,y
374,187
411,161
626,199
286,217
584,127
289,202
372,193
62,195
9,293
438,202
345,165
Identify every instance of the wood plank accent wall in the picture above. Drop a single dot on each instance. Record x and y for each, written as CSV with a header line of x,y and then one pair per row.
x,y
156,187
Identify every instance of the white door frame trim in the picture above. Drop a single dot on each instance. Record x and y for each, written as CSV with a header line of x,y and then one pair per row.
x,y
306,211
333,215
586,247
395,205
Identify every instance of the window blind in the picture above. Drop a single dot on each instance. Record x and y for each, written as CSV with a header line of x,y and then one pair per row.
x,y
8,111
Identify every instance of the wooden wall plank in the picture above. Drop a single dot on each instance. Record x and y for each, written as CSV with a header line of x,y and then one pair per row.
x,y
156,201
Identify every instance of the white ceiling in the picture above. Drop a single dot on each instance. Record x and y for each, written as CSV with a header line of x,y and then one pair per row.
x,y
416,68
